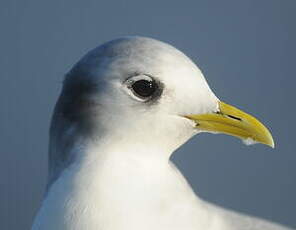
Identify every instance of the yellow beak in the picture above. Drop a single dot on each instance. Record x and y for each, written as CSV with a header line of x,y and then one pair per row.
x,y
234,122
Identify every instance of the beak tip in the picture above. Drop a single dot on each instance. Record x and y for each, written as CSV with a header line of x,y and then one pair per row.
x,y
271,144
269,141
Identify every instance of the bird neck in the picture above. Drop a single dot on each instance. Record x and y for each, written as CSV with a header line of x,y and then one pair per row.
x,y
129,185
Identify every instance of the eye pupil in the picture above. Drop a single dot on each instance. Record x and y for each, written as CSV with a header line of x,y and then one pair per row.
x,y
144,88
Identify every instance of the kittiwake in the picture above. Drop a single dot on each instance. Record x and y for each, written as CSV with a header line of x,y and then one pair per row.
x,y
125,107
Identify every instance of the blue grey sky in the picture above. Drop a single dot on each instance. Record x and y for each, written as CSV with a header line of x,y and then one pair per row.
x,y
246,50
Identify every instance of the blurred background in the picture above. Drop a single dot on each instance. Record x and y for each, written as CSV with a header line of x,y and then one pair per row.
x,y
246,50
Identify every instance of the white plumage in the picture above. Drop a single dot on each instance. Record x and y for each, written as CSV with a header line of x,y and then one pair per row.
x,y
109,166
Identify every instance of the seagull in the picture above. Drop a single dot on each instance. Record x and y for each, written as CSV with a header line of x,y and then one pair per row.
x,y
125,107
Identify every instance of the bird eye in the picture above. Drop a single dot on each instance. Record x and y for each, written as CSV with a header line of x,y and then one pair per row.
x,y
143,87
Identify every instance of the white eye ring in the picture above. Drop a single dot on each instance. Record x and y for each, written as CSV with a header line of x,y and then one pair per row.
x,y
133,79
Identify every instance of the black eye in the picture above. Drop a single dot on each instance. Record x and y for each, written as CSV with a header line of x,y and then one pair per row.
x,y
144,88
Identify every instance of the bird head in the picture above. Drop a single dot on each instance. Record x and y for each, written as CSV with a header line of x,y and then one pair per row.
x,y
146,92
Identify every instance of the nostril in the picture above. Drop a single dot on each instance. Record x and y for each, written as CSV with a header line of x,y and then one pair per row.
x,y
233,117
